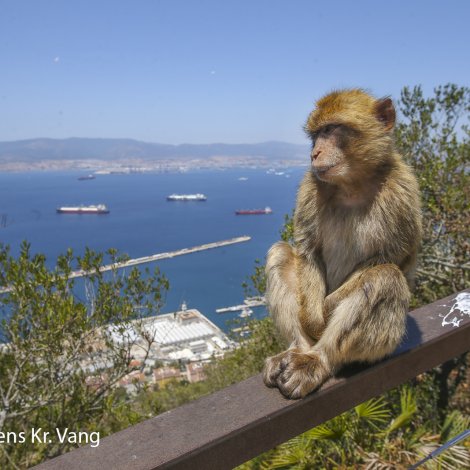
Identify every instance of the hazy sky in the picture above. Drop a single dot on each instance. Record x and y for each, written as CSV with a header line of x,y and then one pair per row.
x,y
201,71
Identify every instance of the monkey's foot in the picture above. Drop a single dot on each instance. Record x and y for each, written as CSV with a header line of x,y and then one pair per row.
x,y
273,367
301,373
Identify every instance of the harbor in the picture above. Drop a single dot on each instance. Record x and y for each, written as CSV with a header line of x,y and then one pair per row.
x,y
141,223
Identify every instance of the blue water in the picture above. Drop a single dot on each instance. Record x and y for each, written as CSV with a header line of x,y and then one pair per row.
x,y
142,223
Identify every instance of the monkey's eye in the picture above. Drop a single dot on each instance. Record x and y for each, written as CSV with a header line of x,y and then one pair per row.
x,y
328,129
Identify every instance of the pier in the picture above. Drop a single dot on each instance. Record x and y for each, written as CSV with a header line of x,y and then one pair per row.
x,y
165,255
252,302
156,257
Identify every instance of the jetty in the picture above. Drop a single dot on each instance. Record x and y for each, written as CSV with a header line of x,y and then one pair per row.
x,y
160,256
250,302
152,258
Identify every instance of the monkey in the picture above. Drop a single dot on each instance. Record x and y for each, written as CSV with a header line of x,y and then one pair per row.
x,y
341,293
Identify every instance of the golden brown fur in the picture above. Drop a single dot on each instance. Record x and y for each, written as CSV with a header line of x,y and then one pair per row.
x,y
342,293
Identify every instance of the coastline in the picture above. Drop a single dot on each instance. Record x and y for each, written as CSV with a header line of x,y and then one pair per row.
x,y
127,166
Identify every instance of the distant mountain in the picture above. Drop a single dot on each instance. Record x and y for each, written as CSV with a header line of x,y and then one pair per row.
x,y
34,150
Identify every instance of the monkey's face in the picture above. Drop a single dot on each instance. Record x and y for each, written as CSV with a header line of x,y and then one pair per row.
x,y
351,135
328,156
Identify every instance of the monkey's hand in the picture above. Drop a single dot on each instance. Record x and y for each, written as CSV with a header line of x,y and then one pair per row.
x,y
296,374
273,366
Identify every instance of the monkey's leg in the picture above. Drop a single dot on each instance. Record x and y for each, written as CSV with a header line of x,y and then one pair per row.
x,y
366,322
299,318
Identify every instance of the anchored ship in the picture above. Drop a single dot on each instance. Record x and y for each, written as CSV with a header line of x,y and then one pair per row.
x,y
266,210
186,197
86,177
98,209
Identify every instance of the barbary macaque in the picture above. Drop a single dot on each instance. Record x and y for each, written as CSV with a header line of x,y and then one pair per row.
x,y
341,294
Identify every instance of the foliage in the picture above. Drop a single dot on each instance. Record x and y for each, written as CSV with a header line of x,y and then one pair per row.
x,y
366,437
58,361
248,359
256,282
287,232
435,139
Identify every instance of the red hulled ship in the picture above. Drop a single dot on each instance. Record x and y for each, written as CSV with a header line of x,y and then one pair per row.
x,y
266,210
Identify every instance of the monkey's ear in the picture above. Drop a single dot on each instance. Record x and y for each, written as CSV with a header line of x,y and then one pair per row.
x,y
385,112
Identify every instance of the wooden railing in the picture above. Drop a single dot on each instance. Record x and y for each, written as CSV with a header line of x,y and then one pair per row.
x,y
231,426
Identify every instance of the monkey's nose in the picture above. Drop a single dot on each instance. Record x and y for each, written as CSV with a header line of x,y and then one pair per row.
x,y
314,156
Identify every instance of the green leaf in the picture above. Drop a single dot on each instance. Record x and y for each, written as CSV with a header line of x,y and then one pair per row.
x,y
333,430
454,424
374,410
408,409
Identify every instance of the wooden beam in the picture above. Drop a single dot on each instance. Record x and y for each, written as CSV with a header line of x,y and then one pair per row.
x,y
226,428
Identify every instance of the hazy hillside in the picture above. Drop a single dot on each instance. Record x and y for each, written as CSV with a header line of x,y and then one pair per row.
x,y
34,150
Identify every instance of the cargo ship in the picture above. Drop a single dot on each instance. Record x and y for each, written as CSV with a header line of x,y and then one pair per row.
x,y
86,177
98,209
186,197
266,210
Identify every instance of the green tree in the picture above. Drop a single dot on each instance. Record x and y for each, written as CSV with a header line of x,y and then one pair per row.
x,y
433,135
60,359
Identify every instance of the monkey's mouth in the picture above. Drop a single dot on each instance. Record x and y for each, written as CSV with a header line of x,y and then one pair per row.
x,y
321,171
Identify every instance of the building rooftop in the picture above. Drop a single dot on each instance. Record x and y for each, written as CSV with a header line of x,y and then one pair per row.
x,y
176,335
168,332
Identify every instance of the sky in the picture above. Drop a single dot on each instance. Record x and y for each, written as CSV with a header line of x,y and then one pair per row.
x,y
204,71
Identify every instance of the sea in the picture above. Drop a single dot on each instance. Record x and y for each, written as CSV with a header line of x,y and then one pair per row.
x,y
142,222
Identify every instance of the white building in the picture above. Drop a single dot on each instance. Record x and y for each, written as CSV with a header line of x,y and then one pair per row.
x,y
186,335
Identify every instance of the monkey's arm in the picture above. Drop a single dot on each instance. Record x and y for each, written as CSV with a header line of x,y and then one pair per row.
x,y
352,283
366,322
295,292
311,293
310,270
